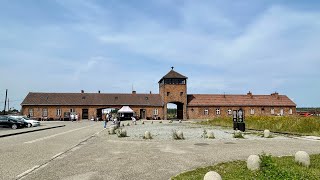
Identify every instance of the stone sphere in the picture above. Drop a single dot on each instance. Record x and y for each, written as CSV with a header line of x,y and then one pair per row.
x,y
210,135
266,133
253,162
147,135
303,158
180,134
212,175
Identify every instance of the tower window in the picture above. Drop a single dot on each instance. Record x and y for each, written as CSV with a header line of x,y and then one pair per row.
x,y
168,93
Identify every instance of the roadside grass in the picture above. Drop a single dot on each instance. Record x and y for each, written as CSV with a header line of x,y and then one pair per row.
x,y
276,168
292,124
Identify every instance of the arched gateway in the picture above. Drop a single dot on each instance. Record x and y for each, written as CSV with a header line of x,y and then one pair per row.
x,y
173,89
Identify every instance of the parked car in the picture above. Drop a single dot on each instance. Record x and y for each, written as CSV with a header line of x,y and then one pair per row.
x,y
31,122
12,122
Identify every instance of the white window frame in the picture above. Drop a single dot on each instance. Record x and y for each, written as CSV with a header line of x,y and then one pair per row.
x,y
290,111
72,110
155,112
272,111
229,112
30,112
58,112
252,111
218,112
206,112
281,112
44,112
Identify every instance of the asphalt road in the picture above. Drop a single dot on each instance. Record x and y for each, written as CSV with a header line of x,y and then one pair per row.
x,y
57,154
20,153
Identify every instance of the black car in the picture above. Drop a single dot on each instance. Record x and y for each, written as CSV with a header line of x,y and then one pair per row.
x,y
12,122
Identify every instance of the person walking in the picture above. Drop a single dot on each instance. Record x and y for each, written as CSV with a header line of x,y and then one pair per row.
x,y
77,117
106,120
72,117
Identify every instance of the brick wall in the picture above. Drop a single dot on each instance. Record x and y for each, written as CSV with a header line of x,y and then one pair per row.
x,y
197,112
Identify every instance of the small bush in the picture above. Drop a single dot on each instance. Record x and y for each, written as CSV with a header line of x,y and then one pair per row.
x,y
177,135
238,134
121,132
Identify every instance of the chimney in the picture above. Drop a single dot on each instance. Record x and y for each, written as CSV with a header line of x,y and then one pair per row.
x,y
150,92
134,92
99,91
275,94
250,94
82,91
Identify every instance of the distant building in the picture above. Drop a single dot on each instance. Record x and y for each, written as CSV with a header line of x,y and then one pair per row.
x,y
172,89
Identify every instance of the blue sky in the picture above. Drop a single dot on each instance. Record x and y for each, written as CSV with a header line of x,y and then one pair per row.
x,y
224,46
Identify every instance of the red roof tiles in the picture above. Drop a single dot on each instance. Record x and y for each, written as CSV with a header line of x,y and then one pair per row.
x,y
238,100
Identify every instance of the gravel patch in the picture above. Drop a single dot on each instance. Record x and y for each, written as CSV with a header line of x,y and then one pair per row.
x,y
191,131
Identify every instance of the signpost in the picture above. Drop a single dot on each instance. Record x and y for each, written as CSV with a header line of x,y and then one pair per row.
x,y
238,120
241,123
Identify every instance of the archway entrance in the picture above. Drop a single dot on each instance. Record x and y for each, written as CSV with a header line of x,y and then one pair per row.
x,y
174,110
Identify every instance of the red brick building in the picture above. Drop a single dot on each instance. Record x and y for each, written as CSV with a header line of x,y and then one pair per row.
x,y
172,89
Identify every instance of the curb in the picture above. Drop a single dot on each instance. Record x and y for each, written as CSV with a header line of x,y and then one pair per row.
x,y
23,132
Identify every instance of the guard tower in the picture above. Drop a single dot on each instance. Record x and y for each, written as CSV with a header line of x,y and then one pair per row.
x,y
173,89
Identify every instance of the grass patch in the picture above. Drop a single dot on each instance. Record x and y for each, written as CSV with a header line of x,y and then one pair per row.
x,y
293,124
271,168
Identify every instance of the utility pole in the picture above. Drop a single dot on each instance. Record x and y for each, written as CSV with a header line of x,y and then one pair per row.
x,y
8,105
5,103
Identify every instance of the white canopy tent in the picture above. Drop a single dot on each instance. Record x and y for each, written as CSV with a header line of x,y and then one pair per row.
x,y
125,113
125,109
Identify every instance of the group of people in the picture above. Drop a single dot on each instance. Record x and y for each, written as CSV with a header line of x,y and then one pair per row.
x,y
115,120
74,117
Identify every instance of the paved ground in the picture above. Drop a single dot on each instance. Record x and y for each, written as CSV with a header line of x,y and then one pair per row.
x,y
105,156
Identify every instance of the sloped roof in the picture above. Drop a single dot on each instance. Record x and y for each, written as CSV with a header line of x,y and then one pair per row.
x,y
34,98
174,74
238,100
125,109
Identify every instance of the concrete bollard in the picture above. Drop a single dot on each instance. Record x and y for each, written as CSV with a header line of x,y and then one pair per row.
x,y
302,158
212,175
266,133
253,162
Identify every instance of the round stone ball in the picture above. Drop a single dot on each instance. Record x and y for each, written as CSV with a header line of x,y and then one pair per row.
x,y
302,158
253,162
212,175
210,135
147,135
180,134
266,133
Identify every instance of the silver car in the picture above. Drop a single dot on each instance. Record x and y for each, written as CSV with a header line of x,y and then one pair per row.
x,y
31,122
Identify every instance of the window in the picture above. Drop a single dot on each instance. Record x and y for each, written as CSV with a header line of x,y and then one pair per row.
x,y
252,111
155,112
218,111
281,112
290,111
181,93
229,111
272,110
44,112
168,93
31,112
58,112
72,110
206,112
